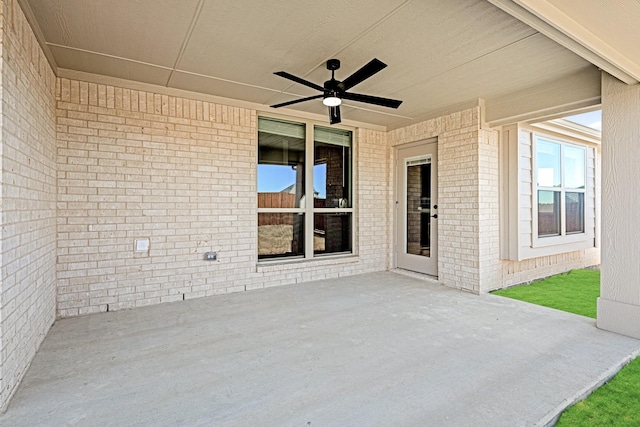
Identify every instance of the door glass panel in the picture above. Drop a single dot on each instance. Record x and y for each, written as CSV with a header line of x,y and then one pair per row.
x,y
418,219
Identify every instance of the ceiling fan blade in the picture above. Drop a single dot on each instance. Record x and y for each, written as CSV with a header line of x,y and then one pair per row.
x,y
295,101
385,102
299,80
363,73
334,115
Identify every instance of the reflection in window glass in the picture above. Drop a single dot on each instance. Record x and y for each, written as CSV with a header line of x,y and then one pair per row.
x,y
574,165
561,171
280,234
574,205
331,233
548,213
281,147
548,163
289,192
331,171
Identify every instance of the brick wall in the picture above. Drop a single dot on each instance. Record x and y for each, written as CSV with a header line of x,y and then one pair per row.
x,y
134,164
374,191
517,272
459,225
28,282
489,214
182,173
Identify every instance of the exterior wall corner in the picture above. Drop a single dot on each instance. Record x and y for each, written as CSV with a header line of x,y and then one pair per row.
x,y
619,303
28,185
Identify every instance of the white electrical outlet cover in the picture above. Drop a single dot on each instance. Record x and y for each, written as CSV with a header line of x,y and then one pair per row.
x,y
142,245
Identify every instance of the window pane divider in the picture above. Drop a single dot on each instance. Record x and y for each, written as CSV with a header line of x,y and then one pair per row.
x,y
281,210
309,192
332,210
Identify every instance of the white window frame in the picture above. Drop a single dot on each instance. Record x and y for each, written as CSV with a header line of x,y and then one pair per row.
x,y
309,210
519,207
563,238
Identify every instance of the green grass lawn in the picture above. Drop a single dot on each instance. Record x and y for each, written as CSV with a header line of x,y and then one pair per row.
x,y
575,292
617,403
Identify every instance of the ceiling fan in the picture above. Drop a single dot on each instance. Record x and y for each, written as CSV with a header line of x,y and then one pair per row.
x,y
334,91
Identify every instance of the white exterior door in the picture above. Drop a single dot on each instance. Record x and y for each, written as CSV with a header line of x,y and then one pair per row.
x,y
416,208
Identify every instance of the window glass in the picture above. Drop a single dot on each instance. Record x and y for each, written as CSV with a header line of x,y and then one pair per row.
x,y
574,205
285,149
331,233
548,213
574,164
280,235
548,163
331,170
561,185
281,162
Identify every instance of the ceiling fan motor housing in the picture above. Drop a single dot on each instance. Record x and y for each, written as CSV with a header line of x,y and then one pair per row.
x,y
333,87
334,91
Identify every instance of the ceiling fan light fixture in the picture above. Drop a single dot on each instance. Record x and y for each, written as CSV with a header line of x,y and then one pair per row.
x,y
334,91
331,101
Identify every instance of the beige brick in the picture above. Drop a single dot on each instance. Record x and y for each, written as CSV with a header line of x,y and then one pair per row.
x,y
28,286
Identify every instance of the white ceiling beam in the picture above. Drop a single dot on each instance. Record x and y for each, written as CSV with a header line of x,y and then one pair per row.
x,y
565,30
546,101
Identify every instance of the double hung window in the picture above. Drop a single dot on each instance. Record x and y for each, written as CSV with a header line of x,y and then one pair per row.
x,y
305,200
561,183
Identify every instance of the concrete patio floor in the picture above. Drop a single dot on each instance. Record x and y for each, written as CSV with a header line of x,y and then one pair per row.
x,y
372,350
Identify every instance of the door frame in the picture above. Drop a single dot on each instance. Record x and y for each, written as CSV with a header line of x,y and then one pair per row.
x,y
396,201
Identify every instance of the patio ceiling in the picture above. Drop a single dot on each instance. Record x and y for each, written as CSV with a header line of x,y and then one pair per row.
x,y
439,54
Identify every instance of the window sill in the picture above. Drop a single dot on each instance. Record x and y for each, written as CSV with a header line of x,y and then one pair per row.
x,y
544,242
292,264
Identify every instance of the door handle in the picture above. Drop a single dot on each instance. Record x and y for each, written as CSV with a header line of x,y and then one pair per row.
x,y
434,216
